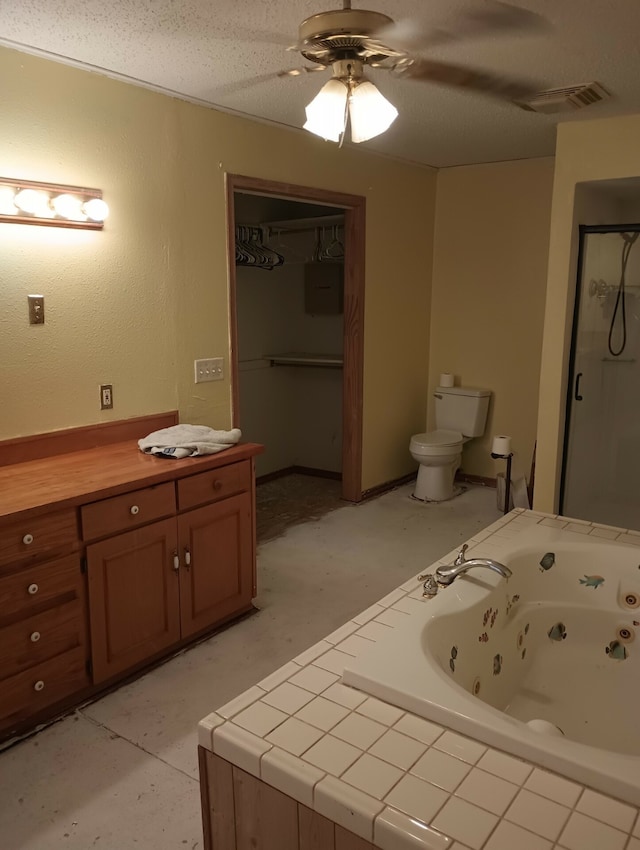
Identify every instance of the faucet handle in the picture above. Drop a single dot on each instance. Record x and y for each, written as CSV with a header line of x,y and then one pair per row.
x,y
460,559
430,587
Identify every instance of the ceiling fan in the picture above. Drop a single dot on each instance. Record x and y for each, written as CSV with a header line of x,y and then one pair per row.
x,y
349,40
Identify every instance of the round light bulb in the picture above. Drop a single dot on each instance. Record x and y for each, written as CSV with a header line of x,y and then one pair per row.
x,y
68,206
7,195
34,202
95,209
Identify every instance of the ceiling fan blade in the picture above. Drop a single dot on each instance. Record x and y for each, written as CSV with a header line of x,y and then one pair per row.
x,y
304,69
265,36
228,89
492,18
496,15
457,76
237,86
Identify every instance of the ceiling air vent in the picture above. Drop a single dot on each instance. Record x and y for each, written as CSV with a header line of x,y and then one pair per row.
x,y
565,99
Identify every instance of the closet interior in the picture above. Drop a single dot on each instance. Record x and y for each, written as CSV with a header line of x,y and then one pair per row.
x,y
289,258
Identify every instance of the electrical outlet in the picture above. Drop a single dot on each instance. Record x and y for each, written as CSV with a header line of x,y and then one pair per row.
x,y
209,369
106,396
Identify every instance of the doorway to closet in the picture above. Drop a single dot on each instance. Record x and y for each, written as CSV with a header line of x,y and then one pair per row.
x,y
296,271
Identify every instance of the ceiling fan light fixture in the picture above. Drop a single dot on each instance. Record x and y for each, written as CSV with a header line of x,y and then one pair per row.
x,y
370,112
326,112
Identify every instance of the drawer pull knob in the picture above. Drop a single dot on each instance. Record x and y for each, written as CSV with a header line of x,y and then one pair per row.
x,y
27,539
39,685
176,561
33,589
34,637
134,509
187,558
217,484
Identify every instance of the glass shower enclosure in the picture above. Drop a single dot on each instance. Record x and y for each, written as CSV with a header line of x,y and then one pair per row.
x,y
601,468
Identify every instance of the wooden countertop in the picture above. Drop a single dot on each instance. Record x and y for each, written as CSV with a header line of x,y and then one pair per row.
x,y
79,477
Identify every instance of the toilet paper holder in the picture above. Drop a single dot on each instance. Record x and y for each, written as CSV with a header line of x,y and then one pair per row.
x,y
507,488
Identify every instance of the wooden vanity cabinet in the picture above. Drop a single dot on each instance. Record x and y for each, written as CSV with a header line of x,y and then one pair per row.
x,y
110,560
154,586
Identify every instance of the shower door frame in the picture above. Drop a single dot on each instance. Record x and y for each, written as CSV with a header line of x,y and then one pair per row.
x,y
583,231
354,208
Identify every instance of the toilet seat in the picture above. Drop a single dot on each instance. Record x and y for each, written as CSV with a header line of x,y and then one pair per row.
x,y
437,439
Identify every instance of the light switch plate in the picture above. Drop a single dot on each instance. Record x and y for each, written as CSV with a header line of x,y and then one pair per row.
x,y
36,309
208,369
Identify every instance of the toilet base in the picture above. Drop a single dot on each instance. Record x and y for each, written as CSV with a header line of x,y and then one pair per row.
x,y
458,490
435,483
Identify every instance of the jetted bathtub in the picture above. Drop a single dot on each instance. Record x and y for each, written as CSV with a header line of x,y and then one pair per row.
x,y
557,646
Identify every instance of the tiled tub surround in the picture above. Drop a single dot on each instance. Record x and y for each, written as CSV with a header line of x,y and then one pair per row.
x,y
555,643
397,780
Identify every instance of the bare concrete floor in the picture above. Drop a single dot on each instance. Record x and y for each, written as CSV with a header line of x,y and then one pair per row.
x,y
120,774
292,499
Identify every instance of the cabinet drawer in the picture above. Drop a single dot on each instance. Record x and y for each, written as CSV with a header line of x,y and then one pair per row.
x,y
213,485
40,686
41,637
120,513
41,536
34,588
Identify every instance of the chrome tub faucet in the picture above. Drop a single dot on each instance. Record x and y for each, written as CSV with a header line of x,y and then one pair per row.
x,y
446,575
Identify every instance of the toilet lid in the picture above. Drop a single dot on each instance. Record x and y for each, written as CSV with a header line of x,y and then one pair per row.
x,y
437,438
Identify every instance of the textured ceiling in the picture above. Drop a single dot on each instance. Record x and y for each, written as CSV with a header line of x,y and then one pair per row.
x,y
224,53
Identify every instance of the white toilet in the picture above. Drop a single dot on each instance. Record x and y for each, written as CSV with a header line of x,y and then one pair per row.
x,y
461,413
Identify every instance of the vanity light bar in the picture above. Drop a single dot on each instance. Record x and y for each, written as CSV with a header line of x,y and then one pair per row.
x,y
52,204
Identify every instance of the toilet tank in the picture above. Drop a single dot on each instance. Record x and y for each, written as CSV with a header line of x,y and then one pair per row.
x,y
462,409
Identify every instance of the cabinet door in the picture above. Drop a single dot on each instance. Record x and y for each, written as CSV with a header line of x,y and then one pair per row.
x,y
133,597
216,557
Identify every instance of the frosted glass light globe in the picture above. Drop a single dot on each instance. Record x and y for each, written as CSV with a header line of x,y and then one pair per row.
x,y
34,202
370,112
68,206
326,112
7,206
95,209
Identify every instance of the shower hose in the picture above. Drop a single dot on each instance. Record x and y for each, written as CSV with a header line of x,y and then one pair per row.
x,y
629,240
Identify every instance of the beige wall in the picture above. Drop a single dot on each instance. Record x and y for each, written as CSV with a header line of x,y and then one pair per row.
x,y
135,304
489,277
586,152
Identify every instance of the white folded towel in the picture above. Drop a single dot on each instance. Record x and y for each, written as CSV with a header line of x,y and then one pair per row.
x,y
188,440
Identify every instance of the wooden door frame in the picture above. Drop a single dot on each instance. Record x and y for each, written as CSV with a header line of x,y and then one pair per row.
x,y
354,207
